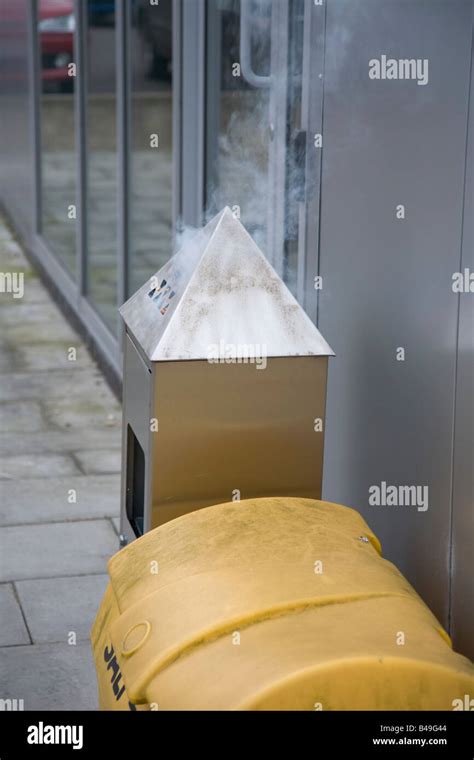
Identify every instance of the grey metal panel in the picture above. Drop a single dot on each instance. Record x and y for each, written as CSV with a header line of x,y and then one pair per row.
x,y
137,397
387,282
35,128
311,123
80,95
123,122
278,127
176,27
193,110
123,65
462,591
16,105
213,104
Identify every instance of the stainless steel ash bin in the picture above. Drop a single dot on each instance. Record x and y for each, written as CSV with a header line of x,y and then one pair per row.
x,y
224,383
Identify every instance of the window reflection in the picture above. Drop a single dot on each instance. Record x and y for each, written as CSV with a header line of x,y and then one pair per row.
x,y
254,148
151,139
56,25
238,115
102,160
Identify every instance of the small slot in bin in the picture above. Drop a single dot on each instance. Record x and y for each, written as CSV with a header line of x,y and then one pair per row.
x,y
135,483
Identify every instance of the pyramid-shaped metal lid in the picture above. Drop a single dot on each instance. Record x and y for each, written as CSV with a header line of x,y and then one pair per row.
x,y
219,290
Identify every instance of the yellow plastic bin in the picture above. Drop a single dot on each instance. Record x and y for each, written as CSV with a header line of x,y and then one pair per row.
x,y
269,604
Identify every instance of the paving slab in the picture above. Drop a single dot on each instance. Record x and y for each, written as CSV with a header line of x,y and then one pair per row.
x,y
60,424
55,607
54,384
37,466
21,312
33,291
46,356
13,263
10,248
40,332
43,500
7,359
49,676
56,549
22,278
60,441
21,416
83,411
12,627
99,461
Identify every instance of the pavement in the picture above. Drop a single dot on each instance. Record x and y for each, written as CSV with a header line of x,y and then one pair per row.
x,y
60,438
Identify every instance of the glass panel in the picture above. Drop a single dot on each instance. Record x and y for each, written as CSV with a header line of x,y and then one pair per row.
x,y
102,161
151,140
255,152
58,156
296,142
238,116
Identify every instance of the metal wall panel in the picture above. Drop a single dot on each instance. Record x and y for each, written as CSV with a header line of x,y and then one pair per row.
x,y
462,592
387,282
192,139
16,137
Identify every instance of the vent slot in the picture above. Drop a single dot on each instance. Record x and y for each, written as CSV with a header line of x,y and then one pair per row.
x,y
135,498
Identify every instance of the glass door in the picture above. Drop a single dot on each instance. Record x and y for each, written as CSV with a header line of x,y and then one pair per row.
x,y
57,114
255,143
150,51
101,129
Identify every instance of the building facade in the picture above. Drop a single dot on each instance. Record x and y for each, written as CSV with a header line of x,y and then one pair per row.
x,y
341,133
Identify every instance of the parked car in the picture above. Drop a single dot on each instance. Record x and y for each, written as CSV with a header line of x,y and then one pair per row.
x,y
56,33
101,12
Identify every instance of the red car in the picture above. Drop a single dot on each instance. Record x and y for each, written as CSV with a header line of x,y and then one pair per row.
x,y
56,32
